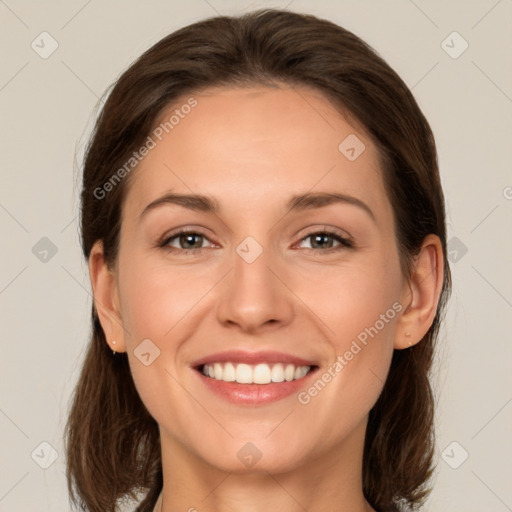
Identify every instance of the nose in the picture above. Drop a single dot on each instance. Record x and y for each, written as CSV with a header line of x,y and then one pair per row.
x,y
255,296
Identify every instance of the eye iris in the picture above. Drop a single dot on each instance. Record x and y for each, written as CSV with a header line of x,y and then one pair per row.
x,y
185,238
322,236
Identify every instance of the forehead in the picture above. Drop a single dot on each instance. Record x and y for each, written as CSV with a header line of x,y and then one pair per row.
x,y
256,146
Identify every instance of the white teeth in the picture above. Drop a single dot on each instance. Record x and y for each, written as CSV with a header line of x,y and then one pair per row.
x,y
258,374
289,372
300,372
277,373
229,373
262,374
243,374
217,371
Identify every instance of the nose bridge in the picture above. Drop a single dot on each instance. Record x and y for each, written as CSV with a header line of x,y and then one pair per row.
x,y
253,295
251,265
252,279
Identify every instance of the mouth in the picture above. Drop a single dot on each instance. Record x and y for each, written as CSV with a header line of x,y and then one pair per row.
x,y
253,379
262,373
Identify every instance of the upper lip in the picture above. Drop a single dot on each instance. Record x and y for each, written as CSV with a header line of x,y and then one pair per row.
x,y
239,356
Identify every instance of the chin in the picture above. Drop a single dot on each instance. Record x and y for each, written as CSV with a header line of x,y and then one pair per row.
x,y
257,456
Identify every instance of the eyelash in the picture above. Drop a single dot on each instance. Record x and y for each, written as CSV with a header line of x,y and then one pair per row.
x,y
345,242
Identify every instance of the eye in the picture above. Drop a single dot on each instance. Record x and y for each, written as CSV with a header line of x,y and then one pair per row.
x,y
187,241
192,242
324,240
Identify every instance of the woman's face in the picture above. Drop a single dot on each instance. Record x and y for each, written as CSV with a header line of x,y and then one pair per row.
x,y
266,281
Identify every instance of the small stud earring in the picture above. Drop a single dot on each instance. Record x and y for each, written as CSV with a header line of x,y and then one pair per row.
x,y
408,334
113,351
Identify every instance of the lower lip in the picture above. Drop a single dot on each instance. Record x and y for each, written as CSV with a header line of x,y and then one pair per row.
x,y
255,394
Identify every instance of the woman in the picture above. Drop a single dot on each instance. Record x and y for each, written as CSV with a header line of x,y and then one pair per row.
x,y
263,220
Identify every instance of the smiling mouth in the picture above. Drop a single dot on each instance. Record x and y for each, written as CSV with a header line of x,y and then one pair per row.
x,y
261,373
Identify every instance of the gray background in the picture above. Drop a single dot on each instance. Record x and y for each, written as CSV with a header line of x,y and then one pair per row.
x,y
47,109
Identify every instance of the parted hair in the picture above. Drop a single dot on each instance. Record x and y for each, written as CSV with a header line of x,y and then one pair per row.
x,y
112,443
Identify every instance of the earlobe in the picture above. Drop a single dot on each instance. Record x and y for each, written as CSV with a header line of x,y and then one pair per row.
x,y
106,298
422,294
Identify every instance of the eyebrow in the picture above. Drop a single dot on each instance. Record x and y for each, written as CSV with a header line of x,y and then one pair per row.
x,y
302,202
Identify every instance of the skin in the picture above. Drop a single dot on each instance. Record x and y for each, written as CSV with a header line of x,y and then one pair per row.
x,y
252,149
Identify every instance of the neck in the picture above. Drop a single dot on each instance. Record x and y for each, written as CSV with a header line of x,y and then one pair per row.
x,y
330,481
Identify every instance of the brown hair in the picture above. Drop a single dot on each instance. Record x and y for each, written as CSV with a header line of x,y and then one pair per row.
x,y
112,442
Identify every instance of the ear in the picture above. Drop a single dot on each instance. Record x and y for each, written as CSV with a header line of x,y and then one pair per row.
x,y
421,293
106,298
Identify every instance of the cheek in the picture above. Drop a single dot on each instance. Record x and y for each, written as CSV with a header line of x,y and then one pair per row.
x,y
159,304
352,297
155,298
362,348
358,305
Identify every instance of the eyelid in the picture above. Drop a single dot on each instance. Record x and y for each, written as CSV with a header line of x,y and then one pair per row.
x,y
330,230
345,241
165,239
